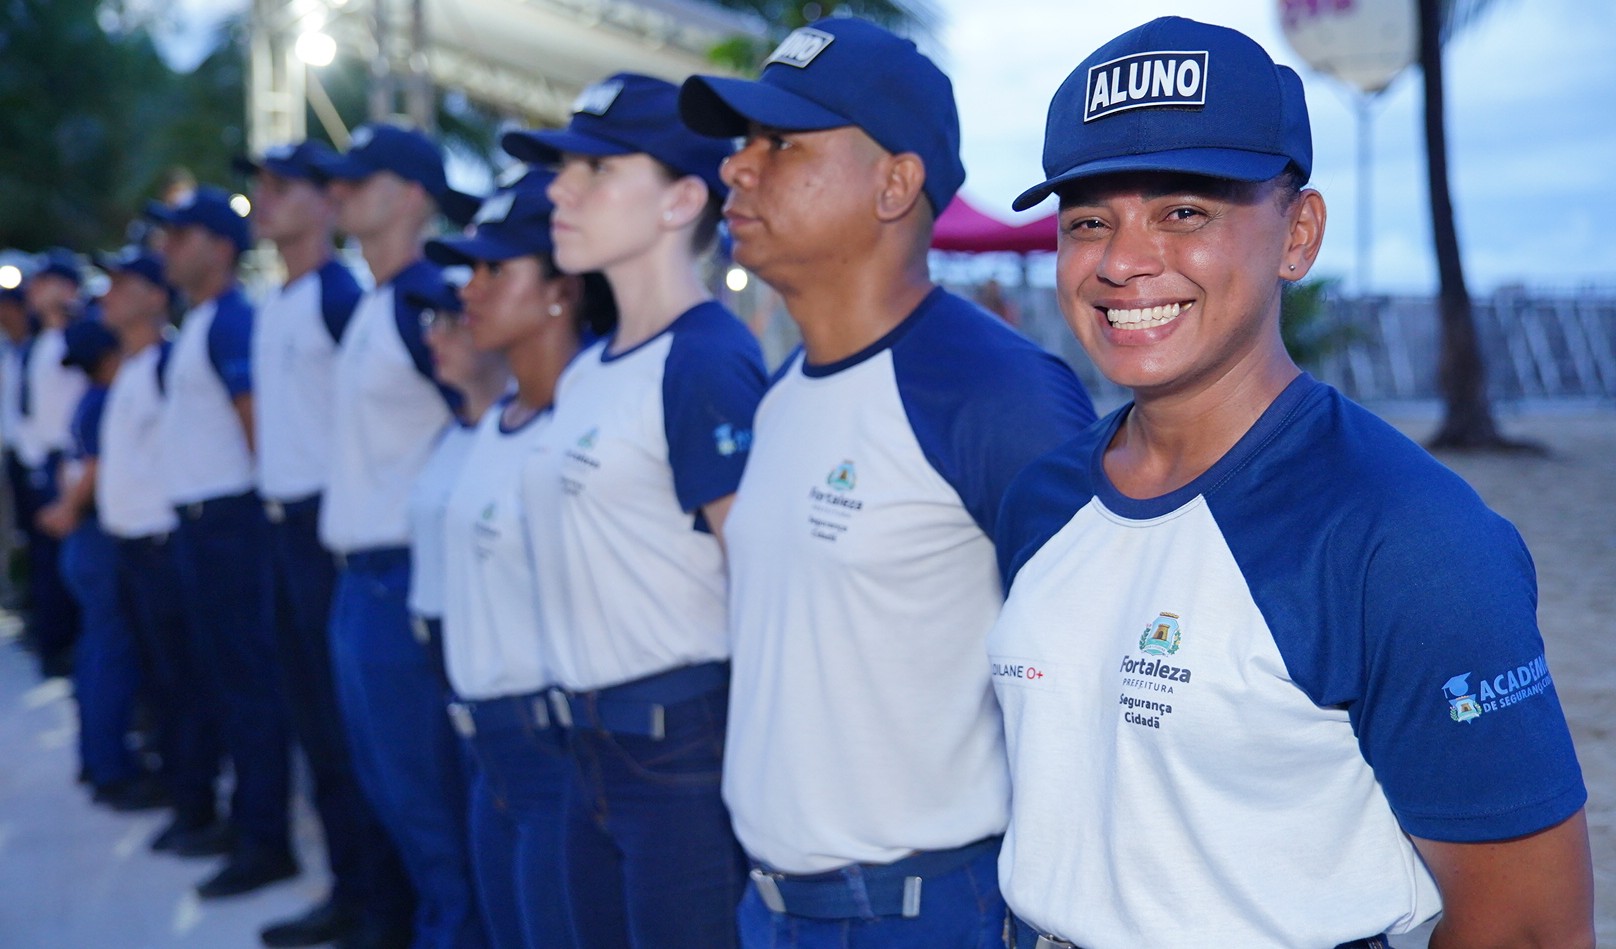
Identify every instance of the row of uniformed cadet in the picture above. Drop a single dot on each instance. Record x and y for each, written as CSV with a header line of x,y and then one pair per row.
x,y
718,649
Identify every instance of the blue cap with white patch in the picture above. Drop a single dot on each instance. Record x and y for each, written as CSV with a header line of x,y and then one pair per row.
x,y
1176,95
838,72
512,222
60,262
206,207
378,146
138,261
626,114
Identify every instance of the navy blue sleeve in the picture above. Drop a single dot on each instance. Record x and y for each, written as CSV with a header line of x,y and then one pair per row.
x,y
230,343
425,280
983,401
711,385
1044,496
86,428
1394,593
339,295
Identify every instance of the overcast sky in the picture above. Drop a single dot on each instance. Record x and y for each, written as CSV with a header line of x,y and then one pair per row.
x,y
1531,124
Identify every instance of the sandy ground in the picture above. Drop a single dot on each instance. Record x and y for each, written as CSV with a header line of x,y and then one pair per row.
x,y
77,877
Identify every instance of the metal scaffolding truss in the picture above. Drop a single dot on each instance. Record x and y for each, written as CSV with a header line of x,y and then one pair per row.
x,y
526,58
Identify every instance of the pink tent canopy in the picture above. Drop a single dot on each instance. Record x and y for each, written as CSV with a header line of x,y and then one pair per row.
x,y
963,228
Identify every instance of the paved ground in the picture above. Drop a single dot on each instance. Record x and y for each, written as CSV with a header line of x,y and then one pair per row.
x,y
78,877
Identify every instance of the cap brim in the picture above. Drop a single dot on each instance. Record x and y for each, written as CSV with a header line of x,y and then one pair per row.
x,y
547,146
720,107
467,251
1229,164
161,213
428,301
460,208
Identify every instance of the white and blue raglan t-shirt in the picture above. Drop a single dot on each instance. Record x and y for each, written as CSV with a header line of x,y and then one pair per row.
x,y
428,505
294,371
205,453
491,640
863,583
130,497
1228,707
54,390
631,582
386,417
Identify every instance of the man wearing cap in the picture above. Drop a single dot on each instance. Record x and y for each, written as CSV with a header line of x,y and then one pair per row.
x,y
50,392
1271,676
132,504
865,769
222,544
16,335
106,671
294,348
388,413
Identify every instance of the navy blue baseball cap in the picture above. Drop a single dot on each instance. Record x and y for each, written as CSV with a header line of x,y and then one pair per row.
x,y
1176,95
626,114
441,298
378,146
512,222
843,71
207,207
303,161
138,261
59,262
87,341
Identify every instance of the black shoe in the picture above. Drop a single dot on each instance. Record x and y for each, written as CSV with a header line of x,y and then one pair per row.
x,y
245,872
212,840
326,922
176,830
396,936
144,793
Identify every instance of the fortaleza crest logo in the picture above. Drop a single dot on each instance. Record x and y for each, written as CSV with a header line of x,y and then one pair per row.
x,y
729,440
1497,692
587,439
1162,636
842,477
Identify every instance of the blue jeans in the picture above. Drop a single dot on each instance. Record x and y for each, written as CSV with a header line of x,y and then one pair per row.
x,y
173,685
106,670
651,860
405,754
222,550
961,909
517,806
53,616
367,875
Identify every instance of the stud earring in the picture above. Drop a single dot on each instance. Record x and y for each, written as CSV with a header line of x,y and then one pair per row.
x,y
1293,266
667,217
555,309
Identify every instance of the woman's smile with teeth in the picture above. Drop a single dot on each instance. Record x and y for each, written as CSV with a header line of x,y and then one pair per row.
x,y
1144,317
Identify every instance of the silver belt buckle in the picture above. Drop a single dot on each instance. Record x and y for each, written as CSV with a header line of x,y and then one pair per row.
x,y
194,510
561,705
541,711
1050,942
769,890
911,897
274,511
423,633
460,715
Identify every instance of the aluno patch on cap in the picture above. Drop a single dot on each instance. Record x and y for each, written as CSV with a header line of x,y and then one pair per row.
x,y
800,48
495,209
598,98
361,137
1159,78
279,152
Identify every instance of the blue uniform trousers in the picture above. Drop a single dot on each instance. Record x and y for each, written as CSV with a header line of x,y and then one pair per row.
x,y
406,755
53,616
651,860
222,549
517,808
172,684
367,876
958,909
106,669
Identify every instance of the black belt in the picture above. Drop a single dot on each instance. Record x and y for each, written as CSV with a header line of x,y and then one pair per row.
x,y
864,891
1030,938
506,712
638,707
278,511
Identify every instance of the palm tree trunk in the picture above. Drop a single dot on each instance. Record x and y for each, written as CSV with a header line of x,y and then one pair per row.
x,y
1461,375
